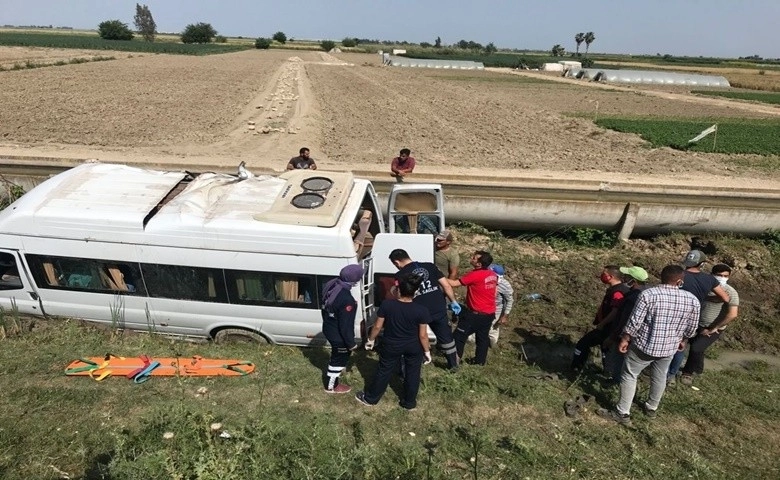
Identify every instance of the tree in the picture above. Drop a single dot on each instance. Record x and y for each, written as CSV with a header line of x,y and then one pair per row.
x,y
589,38
558,50
263,43
198,33
437,44
349,42
425,45
114,30
490,48
144,22
280,37
579,38
327,45
463,44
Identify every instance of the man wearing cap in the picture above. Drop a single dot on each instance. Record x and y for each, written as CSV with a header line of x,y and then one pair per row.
x,y
636,278
663,318
504,302
445,257
612,276
480,311
715,315
700,284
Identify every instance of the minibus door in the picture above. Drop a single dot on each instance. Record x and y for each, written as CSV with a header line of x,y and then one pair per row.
x,y
419,247
17,290
415,208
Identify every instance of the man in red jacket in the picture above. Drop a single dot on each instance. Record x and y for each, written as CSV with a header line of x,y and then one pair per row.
x,y
480,311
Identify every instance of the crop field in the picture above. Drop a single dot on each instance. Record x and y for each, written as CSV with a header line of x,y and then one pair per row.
x,y
763,97
93,42
758,137
504,421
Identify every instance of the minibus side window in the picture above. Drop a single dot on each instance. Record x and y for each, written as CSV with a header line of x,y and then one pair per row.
x,y
273,289
184,283
100,276
9,272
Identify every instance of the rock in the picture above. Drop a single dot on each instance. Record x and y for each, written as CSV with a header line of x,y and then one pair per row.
x,y
291,131
266,130
251,127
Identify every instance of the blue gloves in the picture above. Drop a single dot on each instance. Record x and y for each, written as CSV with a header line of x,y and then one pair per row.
x,y
455,307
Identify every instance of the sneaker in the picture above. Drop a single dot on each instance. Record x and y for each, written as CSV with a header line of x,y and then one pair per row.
x,y
671,381
649,413
686,379
340,388
622,419
361,397
406,408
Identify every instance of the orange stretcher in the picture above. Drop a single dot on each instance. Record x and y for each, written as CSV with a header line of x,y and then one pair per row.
x,y
141,368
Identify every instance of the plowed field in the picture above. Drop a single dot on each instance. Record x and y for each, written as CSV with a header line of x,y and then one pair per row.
x,y
260,106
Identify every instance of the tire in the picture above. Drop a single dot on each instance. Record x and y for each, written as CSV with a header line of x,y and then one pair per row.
x,y
239,335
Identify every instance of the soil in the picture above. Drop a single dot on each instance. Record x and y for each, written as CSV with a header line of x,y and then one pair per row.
x,y
261,106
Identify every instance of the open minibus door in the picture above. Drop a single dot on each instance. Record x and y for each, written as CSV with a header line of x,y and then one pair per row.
x,y
419,247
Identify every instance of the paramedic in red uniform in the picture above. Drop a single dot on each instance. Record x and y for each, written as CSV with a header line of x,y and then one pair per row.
x,y
480,311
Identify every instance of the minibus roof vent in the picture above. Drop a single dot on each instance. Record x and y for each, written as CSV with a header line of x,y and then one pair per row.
x,y
308,200
311,198
317,184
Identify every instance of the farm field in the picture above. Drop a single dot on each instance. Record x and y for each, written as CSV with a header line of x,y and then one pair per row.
x,y
261,106
764,97
503,421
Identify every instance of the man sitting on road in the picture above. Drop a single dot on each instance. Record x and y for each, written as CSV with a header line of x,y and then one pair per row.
x,y
402,165
302,161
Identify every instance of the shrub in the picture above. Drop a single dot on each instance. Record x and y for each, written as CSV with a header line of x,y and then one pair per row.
x,y
220,39
114,30
327,45
198,33
586,62
280,37
263,43
349,42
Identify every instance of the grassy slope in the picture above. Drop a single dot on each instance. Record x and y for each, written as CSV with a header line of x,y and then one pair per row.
x,y
511,424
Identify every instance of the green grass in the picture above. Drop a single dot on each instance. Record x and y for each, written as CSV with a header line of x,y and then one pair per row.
x,y
734,136
94,42
486,423
763,97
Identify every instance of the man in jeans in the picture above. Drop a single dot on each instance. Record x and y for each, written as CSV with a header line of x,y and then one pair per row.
x,y
480,309
715,315
663,318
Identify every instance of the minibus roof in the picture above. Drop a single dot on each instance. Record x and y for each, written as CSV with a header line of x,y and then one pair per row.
x,y
110,202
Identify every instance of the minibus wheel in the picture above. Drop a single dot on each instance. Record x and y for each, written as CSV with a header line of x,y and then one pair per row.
x,y
238,335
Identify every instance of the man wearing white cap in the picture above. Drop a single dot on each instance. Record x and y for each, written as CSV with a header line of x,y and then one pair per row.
x,y
445,257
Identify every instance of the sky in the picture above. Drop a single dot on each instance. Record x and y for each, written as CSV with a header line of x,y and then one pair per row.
x,y
718,28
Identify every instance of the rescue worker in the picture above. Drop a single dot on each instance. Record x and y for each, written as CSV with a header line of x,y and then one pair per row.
x,y
432,294
338,324
405,340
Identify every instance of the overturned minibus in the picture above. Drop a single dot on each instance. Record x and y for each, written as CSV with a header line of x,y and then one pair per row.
x,y
208,255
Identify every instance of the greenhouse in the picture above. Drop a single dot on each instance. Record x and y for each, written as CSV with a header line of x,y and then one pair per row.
x,y
396,61
655,77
